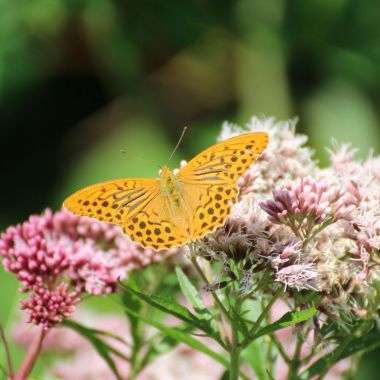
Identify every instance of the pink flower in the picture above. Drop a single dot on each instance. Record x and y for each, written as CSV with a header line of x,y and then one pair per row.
x,y
54,249
308,202
32,252
47,308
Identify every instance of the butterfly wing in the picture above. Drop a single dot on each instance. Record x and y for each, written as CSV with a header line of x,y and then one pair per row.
x,y
145,214
208,181
114,201
162,224
208,204
207,189
225,161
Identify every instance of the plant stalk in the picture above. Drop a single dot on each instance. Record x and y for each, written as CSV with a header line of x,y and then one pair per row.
x,y
261,317
235,345
218,302
234,363
7,352
295,362
31,356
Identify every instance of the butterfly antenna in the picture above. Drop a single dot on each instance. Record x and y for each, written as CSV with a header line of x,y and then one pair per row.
x,y
123,151
179,142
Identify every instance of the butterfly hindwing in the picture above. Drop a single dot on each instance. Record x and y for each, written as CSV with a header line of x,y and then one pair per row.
x,y
208,204
161,225
113,201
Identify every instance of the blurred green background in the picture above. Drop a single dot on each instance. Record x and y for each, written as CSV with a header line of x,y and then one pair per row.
x,y
82,80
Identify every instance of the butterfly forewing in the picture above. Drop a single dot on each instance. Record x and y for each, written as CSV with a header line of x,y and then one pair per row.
x,y
114,201
226,161
208,181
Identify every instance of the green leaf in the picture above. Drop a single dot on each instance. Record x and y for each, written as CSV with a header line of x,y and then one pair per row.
x,y
253,355
102,348
365,343
289,319
170,306
181,336
192,295
161,344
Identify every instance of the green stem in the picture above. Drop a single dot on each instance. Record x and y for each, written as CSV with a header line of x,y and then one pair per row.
x,y
139,343
7,353
295,362
204,278
280,349
270,359
312,234
232,346
263,314
305,360
134,361
296,230
235,347
234,363
224,311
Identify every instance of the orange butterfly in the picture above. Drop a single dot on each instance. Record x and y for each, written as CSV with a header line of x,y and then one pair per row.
x,y
176,208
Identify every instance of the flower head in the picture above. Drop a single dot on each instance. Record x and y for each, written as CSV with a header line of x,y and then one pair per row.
x,y
305,203
51,250
48,307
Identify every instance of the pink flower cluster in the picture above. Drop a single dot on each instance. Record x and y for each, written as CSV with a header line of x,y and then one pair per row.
x,y
307,202
47,307
306,227
57,256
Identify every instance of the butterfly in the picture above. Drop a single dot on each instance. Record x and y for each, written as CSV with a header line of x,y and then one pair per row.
x,y
178,207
